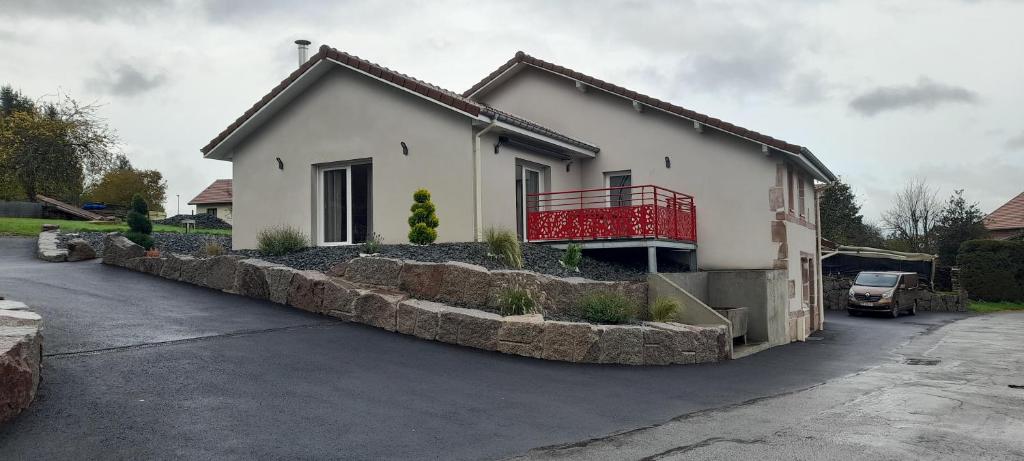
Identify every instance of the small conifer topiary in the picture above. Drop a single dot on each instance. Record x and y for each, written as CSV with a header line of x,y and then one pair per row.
x,y
423,222
139,225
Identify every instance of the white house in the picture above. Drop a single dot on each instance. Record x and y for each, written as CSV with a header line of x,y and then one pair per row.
x,y
215,200
339,146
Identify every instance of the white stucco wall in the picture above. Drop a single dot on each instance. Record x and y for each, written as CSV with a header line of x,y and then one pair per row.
x,y
729,178
348,116
223,210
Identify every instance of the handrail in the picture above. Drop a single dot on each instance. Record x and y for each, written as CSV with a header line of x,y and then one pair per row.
x,y
644,211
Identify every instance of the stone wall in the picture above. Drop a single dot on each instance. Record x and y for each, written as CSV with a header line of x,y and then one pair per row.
x,y
423,299
21,354
47,247
836,289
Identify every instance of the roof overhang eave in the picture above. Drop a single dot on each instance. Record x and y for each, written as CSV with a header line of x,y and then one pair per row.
x,y
570,150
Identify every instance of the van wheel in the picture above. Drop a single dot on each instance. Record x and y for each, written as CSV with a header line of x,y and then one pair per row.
x,y
852,313
895,310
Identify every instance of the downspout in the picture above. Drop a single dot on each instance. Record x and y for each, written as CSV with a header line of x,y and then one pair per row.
x,y
478,194
819,281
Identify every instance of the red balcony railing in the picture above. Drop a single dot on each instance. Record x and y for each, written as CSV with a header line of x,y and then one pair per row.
x,y
611,213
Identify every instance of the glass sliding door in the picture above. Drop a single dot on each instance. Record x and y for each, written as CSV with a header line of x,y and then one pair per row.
x,y
335,211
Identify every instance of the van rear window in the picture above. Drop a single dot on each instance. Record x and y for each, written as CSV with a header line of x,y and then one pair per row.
x,y
867,279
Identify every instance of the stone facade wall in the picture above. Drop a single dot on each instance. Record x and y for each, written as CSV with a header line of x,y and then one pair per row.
x,y
837,288
422,299
21,354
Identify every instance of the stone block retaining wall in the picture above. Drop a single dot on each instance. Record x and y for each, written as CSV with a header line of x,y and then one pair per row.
x,y
21,354
48,250
417,299
837,288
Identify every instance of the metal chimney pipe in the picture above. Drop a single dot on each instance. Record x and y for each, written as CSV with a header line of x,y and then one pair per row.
x,y
303,50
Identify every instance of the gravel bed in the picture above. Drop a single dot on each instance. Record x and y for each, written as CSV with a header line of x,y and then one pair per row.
x,y
537,258
169,242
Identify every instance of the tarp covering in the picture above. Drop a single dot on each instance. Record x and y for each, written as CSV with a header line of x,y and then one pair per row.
x,y
848,261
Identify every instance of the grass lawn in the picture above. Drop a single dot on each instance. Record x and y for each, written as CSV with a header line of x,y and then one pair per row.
x,y
31,227
986,307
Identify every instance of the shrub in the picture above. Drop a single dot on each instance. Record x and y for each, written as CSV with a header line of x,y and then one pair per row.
x,y
139,225
516,301
281,240
607,308
664,310
423,222
372,244
573,256
504,244
992,270
212,248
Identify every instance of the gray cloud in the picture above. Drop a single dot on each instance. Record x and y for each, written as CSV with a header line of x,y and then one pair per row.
x,y
925,94
1016,142
126,80
91,10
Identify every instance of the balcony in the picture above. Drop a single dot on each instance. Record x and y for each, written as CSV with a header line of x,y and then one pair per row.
x,y
611,213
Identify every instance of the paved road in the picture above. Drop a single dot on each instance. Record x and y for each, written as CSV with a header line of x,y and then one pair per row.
x,y
140,367
956,395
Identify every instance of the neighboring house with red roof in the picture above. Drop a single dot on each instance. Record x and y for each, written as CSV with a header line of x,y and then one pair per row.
x,y
1008,220
215,200
338,148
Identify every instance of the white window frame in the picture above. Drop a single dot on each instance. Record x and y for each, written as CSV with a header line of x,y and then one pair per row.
x,y
321,233
540,190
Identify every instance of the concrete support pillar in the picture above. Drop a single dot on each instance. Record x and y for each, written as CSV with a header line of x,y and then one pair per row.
x,y
692,255
652,260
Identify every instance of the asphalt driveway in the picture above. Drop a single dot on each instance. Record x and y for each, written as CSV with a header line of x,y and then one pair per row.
x,y
141,367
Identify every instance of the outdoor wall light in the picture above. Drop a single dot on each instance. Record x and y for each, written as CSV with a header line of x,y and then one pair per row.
x,y
280,164
567,165
668,162
405,149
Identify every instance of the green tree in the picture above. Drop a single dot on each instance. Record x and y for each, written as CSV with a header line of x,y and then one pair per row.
x,y
423,222
53,149
119,186
841,221
959,221
139,225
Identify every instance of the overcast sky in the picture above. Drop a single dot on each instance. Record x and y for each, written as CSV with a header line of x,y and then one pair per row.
x,y
880,91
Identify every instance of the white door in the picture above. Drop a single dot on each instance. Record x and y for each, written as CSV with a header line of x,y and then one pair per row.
x,y
334,213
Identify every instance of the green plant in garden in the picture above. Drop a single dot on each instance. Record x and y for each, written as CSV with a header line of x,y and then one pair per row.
x,y
212,248
139,225
992,270
281,240
516,301
503,244
607,308
573,256
664,310
423,222
372,244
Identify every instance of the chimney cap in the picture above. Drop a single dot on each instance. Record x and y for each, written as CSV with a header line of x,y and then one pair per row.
x,y
303,42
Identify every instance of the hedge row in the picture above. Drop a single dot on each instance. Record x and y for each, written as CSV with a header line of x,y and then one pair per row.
x,y
992,270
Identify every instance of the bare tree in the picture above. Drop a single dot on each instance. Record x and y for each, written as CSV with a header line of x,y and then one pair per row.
x,y
913,215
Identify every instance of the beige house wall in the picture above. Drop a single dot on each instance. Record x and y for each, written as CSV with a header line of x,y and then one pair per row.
x,y
498,173
223,210
346,116
729,178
